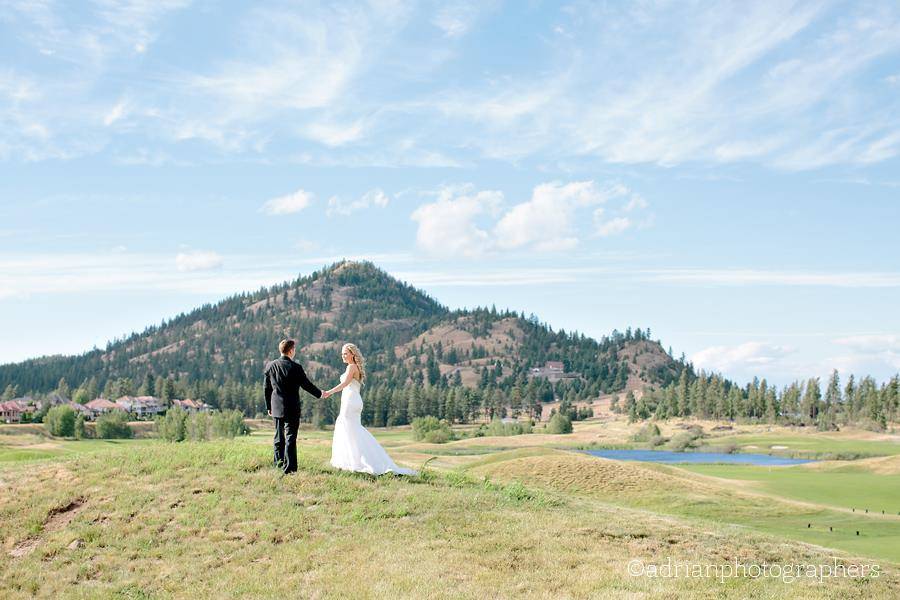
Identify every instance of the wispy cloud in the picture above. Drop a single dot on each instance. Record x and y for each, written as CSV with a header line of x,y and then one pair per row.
x,y
855,279
375,197
742,358
456,17
877,354
198,260
794,85
287,204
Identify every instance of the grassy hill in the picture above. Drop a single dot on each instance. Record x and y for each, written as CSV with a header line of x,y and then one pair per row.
x,y
201,520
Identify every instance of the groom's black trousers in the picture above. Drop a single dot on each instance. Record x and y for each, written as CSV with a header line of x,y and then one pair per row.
x,y
286,443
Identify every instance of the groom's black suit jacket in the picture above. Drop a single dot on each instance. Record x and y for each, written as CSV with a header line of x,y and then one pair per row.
x,y
284,378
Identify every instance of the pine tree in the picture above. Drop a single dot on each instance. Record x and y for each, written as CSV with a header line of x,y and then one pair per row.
x,y
810,405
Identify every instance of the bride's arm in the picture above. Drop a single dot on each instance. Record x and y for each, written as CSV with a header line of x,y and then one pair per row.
x,y
352,371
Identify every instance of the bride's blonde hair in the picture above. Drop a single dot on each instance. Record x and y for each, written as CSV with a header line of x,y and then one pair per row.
x,y
358,359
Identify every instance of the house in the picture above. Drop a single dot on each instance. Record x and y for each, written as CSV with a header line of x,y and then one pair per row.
x,y
192,405
553,370
141,405
21,409
55,399
100,406
10,412
82,410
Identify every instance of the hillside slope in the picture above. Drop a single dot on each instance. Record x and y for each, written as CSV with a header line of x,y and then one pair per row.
x,y
218,350
197,521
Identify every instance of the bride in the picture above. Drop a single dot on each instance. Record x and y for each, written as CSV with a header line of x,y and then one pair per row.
x,y
353,448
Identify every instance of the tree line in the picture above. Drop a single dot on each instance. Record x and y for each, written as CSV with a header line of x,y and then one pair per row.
x,y
807,403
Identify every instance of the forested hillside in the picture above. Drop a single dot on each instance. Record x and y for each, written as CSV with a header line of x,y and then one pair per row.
x,y
422,357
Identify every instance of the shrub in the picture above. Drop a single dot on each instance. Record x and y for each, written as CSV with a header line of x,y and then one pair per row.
x,y
683,441
499,428
657,440
559,423
646,433
229,424
437,436
113,425
173,426
60,421
179,425
80,431
198,427
432,430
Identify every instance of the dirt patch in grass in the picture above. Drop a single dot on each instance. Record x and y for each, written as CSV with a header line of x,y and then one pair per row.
x,y
58,518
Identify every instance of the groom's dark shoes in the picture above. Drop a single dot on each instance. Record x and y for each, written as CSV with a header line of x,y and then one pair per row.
x,y
283,380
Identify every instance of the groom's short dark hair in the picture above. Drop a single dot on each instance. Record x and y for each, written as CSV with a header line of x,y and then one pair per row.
x,y
285,346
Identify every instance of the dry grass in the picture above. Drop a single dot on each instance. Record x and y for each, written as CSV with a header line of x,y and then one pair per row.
x,y
214,520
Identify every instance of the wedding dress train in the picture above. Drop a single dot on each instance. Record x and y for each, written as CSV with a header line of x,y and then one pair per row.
x,y
353,448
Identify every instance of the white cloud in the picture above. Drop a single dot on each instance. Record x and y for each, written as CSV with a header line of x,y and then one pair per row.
x,y
288,204
546,220
335,134
871,342
447,226
198,260
873,353
613,226
772,277
115,113
796,85
374,197
456,17
741,358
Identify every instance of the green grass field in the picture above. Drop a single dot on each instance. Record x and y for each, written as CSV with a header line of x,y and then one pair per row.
x,y
808,445
148,519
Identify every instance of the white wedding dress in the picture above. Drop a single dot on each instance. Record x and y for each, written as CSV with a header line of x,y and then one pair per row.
x,y
353,448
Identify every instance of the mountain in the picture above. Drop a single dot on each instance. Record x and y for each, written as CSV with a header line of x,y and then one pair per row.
x,y
477,360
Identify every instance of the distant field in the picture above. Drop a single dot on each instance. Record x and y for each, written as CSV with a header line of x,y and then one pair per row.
x,y
30,442
811,445
858,489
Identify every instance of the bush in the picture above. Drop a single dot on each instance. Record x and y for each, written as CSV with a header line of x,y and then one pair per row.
x,y
173,426
499,428
437,436
198,427
431,430
80,431
179,425
646,433
60,421
113,425
228,424
683,441
559,423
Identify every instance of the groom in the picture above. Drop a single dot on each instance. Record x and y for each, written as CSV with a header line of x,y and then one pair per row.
x,y
284,378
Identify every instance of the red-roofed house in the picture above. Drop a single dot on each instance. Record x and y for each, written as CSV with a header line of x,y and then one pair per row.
x,y
192,405
100,406
141,405
10,412
18,410
82,409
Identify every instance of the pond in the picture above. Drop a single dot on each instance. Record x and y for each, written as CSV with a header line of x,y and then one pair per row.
x,y
664,456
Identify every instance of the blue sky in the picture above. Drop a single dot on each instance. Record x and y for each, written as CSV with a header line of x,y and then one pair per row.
x,y
726,174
